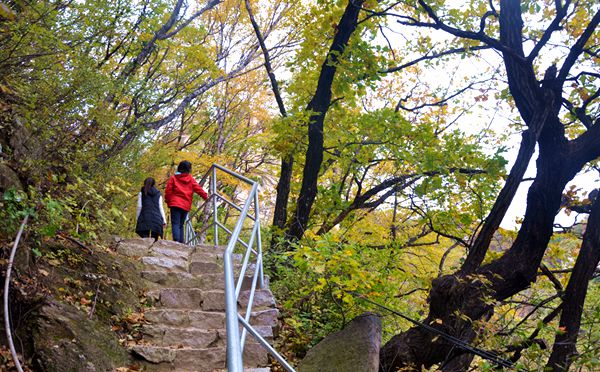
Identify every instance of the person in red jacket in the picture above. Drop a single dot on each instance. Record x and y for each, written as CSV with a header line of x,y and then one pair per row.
x,y
179,194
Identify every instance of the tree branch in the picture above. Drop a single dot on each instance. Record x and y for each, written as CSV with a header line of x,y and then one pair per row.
x,y
434,56
578,48
561,12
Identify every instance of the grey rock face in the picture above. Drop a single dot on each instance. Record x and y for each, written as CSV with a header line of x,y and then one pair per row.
x,y
354,348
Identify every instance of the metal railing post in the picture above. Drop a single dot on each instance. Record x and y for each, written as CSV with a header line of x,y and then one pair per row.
x,y
234,350
213,192
233,319
258,241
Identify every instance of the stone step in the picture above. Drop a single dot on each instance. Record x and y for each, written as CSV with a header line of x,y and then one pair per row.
x,y
135,247
213,281
201,255
172,245
167,264
197,299
176,298
171,252
206,267
161,335
196,359
206,319
186,318
209,248
185,280
186,327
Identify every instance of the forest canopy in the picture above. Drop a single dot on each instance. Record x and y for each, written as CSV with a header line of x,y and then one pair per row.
x,y
389,138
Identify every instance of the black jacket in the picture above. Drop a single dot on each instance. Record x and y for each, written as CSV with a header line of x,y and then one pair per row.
x,y
150,219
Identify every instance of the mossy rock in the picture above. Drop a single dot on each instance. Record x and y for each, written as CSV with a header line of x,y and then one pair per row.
x,y
64,339
9,178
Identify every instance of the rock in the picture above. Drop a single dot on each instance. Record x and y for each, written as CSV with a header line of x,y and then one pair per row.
x,y
263,298
199,267
9,179
154,354
354,348
135,247
165,263
162,335
181,298
170,244
65,340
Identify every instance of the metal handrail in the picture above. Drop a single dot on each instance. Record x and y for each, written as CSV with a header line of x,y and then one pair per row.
x,y
235,343
11,259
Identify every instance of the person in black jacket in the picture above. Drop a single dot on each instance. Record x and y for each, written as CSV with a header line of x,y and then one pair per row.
x,y
150,214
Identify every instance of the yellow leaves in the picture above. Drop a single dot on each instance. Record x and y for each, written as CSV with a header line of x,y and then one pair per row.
x,y
54,262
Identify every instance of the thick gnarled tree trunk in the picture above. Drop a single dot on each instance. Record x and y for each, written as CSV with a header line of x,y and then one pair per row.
x,y
467,293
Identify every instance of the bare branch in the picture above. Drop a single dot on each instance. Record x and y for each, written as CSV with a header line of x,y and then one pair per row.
x,y
265,51
434,56
561,12
578,48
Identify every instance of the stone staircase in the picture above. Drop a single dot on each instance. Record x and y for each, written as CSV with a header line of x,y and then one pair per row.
x,y
186,325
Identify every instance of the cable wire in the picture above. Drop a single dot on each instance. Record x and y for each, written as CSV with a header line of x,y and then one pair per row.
x,y
453,340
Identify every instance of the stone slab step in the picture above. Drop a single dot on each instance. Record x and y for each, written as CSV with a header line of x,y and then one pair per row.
x,y
194,359
206,267
197,299
186,318
135,247
215,300
176,337
161,335
165,264
177,298
185,280
263,299
206,319
170,252
209,248
172,245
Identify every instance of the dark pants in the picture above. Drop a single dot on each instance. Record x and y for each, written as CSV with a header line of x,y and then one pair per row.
x,y
149,234
178,216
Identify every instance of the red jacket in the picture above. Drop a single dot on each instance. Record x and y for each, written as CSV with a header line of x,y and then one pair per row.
x,y
180,191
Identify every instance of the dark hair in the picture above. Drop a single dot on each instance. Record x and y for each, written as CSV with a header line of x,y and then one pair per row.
x,y
184,167
148,184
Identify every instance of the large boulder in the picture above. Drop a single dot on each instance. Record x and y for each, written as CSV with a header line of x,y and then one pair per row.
x,y
354,348
65,340
9,178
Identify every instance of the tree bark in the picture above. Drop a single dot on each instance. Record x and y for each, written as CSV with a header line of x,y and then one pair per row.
x,y
458,300
502,203
564,348
318,107
283,193
287,161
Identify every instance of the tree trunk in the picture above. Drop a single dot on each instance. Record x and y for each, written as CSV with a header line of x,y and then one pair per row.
x,y
564,348
318,107
458,300
455,298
